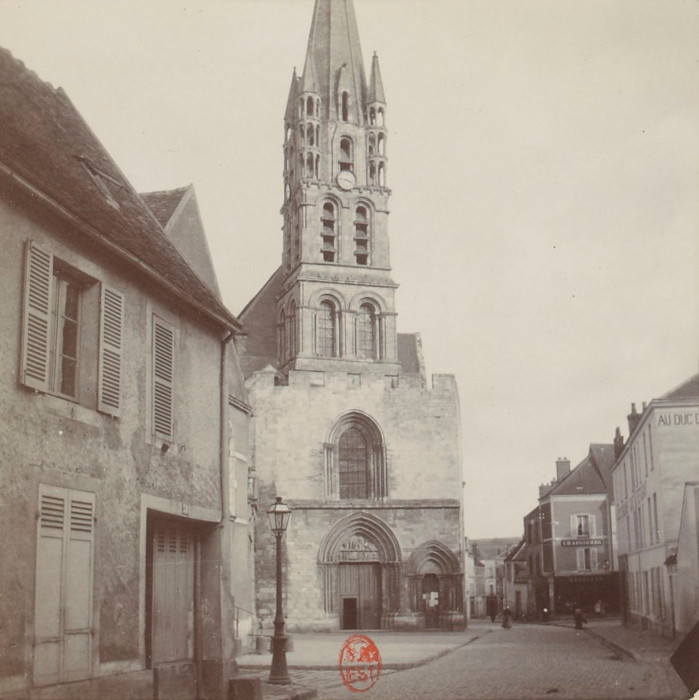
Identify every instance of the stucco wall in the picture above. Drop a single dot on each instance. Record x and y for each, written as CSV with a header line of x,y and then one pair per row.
x,y
51,440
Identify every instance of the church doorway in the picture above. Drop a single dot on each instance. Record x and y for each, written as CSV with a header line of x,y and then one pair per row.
x,y
430,594
360,591
360,559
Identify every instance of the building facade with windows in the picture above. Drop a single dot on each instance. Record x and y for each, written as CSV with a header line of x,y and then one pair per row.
x,y
124,428
347,428
576,537
652,470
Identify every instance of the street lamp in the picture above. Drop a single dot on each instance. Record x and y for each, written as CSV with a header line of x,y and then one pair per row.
x,y
279,514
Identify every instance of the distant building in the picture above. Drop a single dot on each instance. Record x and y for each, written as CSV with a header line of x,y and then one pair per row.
x,y
488,564
124,474
653,477
683,567
347,427
574,545
516,582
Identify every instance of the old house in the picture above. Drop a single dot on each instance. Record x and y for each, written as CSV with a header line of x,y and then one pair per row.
x,y
653,474
124,464
347,428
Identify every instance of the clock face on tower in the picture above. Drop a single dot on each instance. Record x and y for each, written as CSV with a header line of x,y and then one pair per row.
x,y
346,179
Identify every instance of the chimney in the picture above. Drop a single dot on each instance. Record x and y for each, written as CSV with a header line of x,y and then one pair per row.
x,y
618,443
634,417
543,488
562,468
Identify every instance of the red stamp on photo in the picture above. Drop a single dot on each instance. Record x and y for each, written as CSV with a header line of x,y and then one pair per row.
x,y
360,663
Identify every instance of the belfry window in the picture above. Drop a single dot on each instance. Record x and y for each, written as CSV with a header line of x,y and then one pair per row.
x,y
309,107
302,134
372,117
345,106
372,173
353,464
366,332
329,232
317,167
382,144
311,135
372,144
361,236
346,159
326,341
309,166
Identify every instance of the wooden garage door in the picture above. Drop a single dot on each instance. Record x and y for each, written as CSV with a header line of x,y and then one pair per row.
x,y
363,583
172,606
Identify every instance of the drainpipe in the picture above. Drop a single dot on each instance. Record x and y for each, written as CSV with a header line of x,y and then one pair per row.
x,y
223,440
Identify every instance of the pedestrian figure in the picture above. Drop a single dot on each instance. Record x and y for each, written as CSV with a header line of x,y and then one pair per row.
x,y
507,618
491,605
579,619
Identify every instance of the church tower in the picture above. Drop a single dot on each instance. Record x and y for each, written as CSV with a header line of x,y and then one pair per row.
x,y
346,426
336,309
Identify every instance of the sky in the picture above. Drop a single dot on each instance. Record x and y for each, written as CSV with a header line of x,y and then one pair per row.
x,y
544,168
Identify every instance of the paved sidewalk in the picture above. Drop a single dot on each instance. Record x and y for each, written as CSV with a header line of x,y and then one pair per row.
x,y
314,662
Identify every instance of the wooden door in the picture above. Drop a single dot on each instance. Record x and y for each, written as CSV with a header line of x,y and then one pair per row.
x,y
64,580
172,592
363,582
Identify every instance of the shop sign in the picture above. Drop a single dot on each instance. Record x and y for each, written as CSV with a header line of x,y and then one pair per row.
x,y
582,542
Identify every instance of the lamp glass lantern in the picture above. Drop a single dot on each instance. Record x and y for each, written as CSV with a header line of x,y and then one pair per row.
x,y
279,514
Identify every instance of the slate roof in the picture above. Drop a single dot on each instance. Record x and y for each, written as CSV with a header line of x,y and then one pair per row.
x,y
163,203
687,390
45,141
584,479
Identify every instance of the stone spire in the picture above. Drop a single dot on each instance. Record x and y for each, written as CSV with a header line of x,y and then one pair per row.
x,y
291,101
334,45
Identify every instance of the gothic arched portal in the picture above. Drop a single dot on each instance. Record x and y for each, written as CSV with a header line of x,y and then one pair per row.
x,y
360,557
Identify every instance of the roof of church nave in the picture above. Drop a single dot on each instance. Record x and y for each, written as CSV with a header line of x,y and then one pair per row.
x,y
45,142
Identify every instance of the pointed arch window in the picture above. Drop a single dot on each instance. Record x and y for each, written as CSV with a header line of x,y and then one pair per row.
x,y
382,175
309,107
329,232
345,106
346,156
317,167
366,332
382,144
355,459
310,165
381,117
372,173
361,235
302,134
372,117
327,329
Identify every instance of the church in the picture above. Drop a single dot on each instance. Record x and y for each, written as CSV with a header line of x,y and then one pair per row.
x,y
347,428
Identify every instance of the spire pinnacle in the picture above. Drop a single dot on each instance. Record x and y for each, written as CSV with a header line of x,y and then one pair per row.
x,y
376,93
291,101
309,82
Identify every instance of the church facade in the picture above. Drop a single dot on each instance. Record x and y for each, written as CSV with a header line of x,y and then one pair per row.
x,y
347,428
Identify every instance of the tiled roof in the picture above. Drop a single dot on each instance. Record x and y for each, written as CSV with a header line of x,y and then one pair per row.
x,y
604,459
45,141
163,203
687,390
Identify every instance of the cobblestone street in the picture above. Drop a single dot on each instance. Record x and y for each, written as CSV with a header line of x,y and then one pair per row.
x,y
529,661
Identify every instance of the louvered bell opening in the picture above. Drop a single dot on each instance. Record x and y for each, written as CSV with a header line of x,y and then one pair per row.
x,y
328,246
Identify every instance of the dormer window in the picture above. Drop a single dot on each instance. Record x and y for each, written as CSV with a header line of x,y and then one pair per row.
x,y
101,181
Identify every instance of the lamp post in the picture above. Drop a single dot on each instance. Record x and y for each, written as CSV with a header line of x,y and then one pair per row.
x,y
279,514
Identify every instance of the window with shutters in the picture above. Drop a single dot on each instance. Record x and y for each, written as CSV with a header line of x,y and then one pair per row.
x,y
64,583
583,525
72,333
163,385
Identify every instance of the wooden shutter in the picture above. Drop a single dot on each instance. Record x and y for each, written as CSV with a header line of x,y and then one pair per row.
x,y
580,556
573,525
64,576
111,333
592,524
163,378
38,295
593,558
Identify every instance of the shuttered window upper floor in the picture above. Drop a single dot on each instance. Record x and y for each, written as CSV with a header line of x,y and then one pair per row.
x,y
72,333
